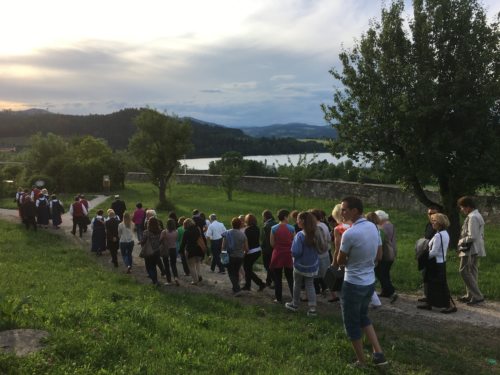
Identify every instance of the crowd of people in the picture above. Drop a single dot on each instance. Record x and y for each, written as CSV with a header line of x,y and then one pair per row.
x,y
36,208
303,246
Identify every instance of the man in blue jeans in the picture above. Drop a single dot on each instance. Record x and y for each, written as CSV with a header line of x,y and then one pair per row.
x,y
359,249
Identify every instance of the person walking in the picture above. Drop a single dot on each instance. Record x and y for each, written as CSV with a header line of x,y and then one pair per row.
x,y
471,248
305,250
78,211
194,252
214,234
168,248
389,252
358,250
98,244
119,207
152,235
112,238
252,233
126,235
138,220
438,293
56,210
28,212
235,243
281,240
267,249
180,236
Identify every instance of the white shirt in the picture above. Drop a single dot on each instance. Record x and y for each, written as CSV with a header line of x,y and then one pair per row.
x,y
360,243
435,246
215,230
126,234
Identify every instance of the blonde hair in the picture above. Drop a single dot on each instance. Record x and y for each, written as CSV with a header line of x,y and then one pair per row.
x,y
127,221
336,213
441,219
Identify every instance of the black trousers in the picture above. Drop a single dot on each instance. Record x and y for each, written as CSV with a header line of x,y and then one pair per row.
x,y
233,270
248,262
278,282
266,259
383,274
170,262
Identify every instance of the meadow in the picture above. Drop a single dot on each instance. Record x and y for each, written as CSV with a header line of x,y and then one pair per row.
x,y
103,322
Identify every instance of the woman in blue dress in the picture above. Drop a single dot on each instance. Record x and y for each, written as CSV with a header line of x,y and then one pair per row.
x,y
98,233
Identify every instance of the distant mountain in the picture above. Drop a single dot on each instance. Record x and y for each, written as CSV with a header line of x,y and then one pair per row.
x,y
209,140
292,130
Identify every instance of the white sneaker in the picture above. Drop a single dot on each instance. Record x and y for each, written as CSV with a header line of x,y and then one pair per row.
x,y
290,306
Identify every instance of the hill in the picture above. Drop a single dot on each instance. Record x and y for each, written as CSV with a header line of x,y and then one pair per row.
x,y
292,130
209,140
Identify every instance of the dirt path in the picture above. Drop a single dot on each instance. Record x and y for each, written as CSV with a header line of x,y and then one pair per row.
x,y
485,316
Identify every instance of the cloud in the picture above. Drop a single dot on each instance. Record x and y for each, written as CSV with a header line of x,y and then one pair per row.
x,y
260,62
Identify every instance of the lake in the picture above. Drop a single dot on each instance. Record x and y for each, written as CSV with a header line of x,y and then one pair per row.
x,y
202,163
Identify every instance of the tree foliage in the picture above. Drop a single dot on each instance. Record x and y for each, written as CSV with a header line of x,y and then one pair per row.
x,y
295,175
231,168
74,165
424,99
158,144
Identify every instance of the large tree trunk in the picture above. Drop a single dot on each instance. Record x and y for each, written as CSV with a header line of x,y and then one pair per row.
x,y
449,197
162,187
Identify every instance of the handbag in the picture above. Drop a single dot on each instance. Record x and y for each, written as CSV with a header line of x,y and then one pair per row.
x,y
146,249
334,277
224,258
465,246
201,244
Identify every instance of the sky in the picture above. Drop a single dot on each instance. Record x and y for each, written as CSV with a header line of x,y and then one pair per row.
x,y
231,62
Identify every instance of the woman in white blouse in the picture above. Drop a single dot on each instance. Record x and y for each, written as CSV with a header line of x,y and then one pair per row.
x,y
435,270
126,235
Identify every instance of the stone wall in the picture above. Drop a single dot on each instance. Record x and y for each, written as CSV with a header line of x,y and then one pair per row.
x,y
381,196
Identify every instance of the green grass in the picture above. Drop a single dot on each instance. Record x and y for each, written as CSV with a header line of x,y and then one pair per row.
x,y
102,322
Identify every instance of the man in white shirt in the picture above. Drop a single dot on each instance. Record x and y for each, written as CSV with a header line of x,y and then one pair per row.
x,y
214,233
358,251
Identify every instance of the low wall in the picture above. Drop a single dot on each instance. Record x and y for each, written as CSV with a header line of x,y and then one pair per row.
x,y
385,197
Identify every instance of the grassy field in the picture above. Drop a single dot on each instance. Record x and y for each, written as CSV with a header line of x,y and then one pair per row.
x,y
102,322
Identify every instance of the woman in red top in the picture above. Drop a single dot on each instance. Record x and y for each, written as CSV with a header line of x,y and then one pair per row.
x,y
281,239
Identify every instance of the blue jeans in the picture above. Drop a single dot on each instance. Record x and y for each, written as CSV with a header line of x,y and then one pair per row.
x,y
354,301
150,263
139,230
126,250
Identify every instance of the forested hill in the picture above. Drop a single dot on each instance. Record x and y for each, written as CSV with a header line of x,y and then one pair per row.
x,y
293,130
209,140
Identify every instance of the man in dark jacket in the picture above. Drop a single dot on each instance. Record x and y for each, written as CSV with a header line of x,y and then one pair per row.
x,y
265,243
119,207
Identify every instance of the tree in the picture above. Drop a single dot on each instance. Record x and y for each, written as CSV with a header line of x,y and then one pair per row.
x,y
424,100
158,144
231,168
295,175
